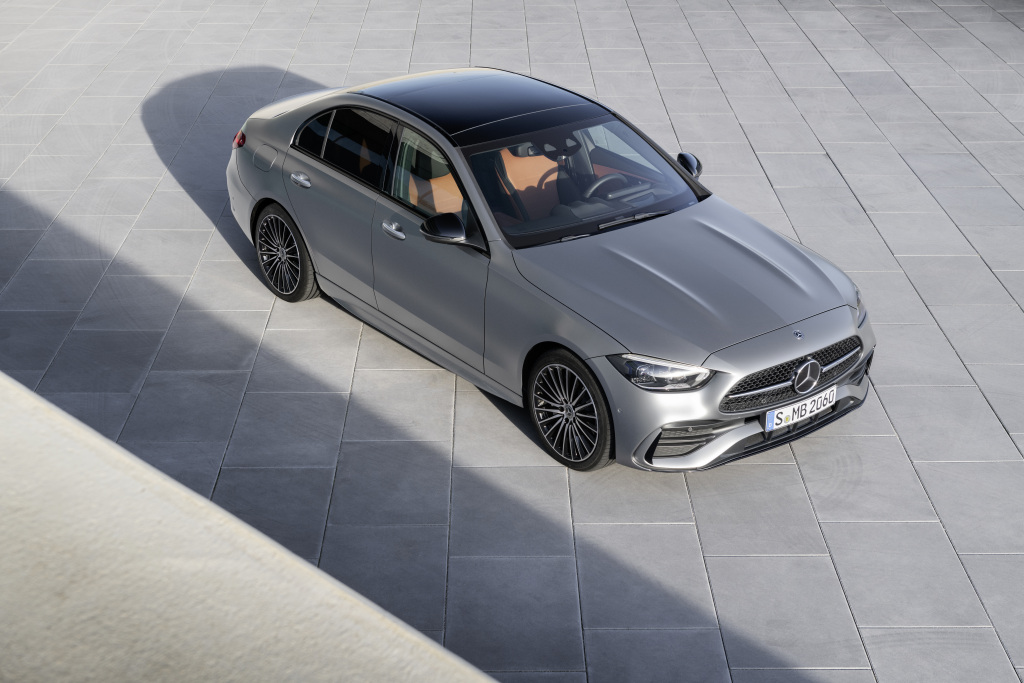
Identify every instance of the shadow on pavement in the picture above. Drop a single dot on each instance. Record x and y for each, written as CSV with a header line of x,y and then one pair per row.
x,y
252,414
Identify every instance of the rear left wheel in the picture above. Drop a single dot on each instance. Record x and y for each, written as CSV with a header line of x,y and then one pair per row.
x,y
284,260
569,412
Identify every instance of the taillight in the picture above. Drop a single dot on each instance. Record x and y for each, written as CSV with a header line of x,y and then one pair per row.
x,y
239,140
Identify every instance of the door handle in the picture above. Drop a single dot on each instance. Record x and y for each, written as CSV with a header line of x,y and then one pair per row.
x,y
393,230
301,179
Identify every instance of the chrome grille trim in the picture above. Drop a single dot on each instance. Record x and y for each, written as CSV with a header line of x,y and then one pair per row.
x,y
753,392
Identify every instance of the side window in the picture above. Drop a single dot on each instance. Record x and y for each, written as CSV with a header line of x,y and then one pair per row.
x,y
358,142
423,178
311,138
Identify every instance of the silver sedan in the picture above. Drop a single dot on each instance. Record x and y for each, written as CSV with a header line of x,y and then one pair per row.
x,y
537,244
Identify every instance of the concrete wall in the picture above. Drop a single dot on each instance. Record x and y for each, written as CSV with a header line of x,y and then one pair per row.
x,y
110,571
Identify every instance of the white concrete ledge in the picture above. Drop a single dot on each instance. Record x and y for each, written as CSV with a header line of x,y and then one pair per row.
x,y
111,571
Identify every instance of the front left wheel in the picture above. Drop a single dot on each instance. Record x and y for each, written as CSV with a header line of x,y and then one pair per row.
x,y
284,260
569,411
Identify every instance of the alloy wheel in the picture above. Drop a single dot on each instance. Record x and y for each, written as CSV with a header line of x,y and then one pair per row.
x,y
566,412
279,254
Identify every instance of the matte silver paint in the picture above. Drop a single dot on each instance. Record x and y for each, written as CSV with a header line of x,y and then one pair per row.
x,y
707,285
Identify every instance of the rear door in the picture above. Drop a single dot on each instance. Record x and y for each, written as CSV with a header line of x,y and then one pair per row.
x,y
334,173
436,290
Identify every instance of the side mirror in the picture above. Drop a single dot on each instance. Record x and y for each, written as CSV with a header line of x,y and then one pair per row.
x,y
446,228
690,163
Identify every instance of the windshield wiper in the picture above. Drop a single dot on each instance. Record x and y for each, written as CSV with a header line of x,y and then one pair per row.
x,y
633,219
567,238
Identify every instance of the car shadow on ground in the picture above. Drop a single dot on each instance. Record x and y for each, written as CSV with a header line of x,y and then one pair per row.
x,y
349,468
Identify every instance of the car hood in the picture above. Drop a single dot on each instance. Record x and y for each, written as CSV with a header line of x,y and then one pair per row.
x,y
686,285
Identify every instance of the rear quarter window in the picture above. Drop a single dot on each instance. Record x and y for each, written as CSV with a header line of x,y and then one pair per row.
x,y
311,137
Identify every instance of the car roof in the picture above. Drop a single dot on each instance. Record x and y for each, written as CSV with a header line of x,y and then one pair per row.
x,y
477,105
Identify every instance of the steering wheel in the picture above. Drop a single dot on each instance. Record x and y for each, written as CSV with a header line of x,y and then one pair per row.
x,y
601,181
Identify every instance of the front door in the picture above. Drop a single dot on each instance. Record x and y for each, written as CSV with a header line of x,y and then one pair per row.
x,y
435,290
333,182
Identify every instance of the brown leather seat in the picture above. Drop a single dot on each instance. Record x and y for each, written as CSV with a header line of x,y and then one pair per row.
x,y
533,179
435,195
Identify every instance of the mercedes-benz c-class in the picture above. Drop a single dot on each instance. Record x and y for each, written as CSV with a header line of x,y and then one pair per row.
x,y
539,245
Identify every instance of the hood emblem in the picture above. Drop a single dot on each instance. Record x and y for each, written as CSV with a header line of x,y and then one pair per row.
x,y
798,334
807,376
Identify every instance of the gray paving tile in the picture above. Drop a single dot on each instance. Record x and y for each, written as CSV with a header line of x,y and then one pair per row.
x,y
978,503
752,510
822,206
377,351
996,578
30,339
917,355
861,479
801,170
891,298
514,613
101,361
186,406
401,568
605,553
903,575
315,314
287,430
198,340
1003,386
287,504
868,420
688,656
83,237
15,246
52,285
485,499
490,432
949,170
765,606
803,675
937,654
952,280
194,464
621,495
983,334
891,193
129,302
104,412
177,210
980,206
392,482
107,196
921,233
1001,246
947,423
305,360
413,405
226,286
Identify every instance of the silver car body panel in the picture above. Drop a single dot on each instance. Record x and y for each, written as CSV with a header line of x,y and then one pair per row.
x,y
706,285
683,286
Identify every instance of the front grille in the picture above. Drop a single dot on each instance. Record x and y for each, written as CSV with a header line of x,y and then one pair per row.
x,y
783,373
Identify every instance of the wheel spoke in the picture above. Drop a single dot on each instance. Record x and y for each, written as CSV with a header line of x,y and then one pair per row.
x,y
279,255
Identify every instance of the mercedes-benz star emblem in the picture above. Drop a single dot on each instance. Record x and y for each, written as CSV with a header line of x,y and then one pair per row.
x,y
798,334
807,376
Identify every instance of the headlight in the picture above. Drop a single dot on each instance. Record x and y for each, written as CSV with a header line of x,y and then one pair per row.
x,y
660,375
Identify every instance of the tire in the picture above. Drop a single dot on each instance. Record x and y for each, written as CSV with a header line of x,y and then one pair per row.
x,y
281,252
582,440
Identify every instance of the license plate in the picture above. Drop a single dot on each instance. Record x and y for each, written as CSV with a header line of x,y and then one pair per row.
x,y
794,412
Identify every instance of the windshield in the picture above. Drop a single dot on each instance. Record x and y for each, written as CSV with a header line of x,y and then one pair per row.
x,y
574,180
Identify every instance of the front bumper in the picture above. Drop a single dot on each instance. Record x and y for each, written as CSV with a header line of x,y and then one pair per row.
x,y
687,430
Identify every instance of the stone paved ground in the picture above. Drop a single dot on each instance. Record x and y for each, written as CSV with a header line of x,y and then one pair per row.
x,y
886,135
